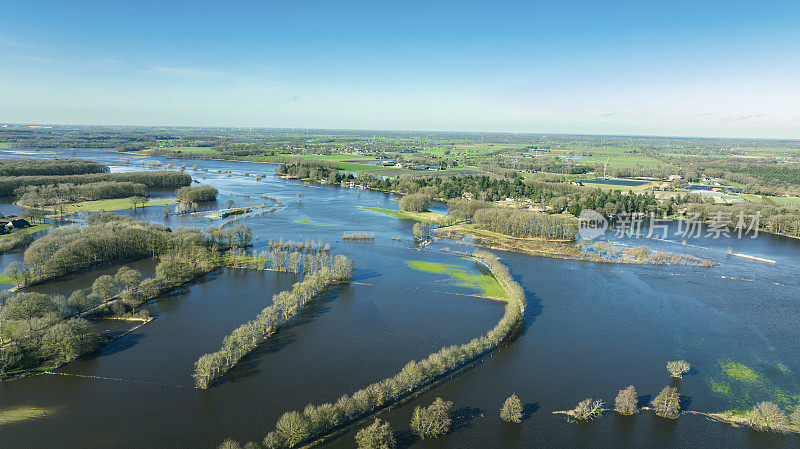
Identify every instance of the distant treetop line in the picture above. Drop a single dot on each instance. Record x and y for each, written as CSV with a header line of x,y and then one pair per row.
x,y
66,136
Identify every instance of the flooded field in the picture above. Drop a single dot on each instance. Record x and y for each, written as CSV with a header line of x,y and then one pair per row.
x,y
590,330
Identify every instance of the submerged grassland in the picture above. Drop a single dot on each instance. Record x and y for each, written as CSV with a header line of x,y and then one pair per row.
x,y
19,414
416,216
744,385
110,205
464,277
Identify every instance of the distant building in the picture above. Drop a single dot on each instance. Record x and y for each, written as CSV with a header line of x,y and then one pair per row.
x,y
18,223
674,177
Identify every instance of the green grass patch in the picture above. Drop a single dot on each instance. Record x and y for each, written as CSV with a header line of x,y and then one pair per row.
x,y
6,279
464,277
417,216
19,414
30,230
109,205
741,373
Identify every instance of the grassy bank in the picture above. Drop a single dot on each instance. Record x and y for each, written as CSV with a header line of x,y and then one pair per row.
x,y
30,230
463,277
109,205
416,216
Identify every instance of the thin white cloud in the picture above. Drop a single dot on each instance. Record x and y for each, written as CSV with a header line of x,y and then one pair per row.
x,y
187,73
41,59
10,43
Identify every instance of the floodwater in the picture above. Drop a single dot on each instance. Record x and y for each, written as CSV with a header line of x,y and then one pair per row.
x,y
590,330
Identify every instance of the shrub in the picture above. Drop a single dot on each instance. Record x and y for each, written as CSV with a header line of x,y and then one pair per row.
x,y
677,368
767,416
626,401
377,435
432,421
587,410
512,410
667,403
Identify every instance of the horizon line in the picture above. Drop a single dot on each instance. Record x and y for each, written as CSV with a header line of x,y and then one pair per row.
x,y
4,125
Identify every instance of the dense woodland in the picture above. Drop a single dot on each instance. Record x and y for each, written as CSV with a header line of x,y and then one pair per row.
x,y
558,197
112,238
40,331
522,223
151,179
49,167
34,333
49,195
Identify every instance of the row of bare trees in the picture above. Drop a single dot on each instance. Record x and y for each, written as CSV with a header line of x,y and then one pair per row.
x,y
295,427
285,305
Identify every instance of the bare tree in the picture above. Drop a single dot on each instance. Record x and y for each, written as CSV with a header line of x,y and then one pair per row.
x,y
587,410
667,403
512,410
767,416
626,401
677,368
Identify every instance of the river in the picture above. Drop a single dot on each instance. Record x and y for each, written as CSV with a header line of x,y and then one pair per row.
x,y
590,330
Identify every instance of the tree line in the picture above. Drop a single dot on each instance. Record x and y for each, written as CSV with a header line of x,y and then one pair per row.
x,y
52,167
773,218
296,427
55,194
557,196
151,180
285,306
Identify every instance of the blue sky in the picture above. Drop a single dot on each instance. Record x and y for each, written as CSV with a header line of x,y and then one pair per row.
x,y
690,68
